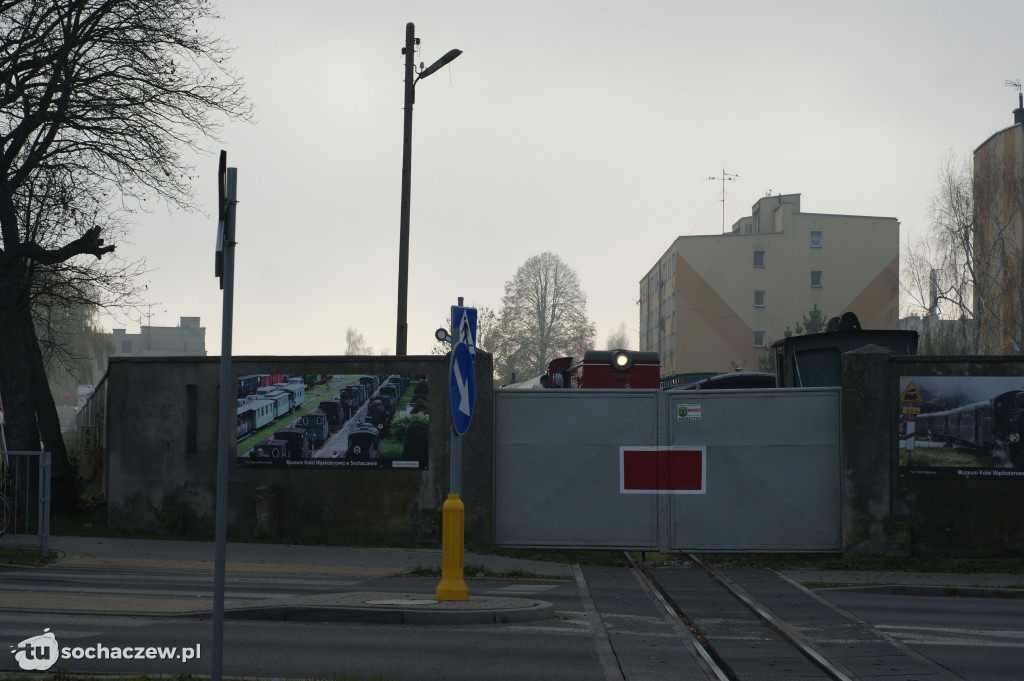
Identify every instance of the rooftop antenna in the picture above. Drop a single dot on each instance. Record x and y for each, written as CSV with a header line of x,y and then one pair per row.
x,y
726,177
1018,113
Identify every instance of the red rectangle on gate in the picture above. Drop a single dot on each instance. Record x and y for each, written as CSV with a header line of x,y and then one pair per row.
x,y
654,470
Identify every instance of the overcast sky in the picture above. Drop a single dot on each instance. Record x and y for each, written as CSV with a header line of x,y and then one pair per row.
x,y
588,129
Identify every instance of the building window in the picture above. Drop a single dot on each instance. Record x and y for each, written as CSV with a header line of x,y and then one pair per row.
x,y
758,258
815,239
758,298
759,339
815,278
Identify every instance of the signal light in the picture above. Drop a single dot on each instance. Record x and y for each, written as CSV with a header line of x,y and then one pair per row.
x,y
622,360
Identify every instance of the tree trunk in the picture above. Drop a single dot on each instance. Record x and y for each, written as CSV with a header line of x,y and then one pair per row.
x,y
25,388
20,429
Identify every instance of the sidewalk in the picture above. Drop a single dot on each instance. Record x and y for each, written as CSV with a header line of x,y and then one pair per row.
x,y
271,561
293,558
277,561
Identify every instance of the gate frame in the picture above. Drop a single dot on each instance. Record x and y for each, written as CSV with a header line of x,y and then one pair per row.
x,y
42,535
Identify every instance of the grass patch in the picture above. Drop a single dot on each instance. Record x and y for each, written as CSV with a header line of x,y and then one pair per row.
x,y
946,457
27,557
80,526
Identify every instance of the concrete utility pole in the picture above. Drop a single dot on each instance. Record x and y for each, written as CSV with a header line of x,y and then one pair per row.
x,y
411,41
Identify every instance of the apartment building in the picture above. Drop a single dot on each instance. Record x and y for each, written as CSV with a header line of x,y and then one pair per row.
x,y
715,303
188,338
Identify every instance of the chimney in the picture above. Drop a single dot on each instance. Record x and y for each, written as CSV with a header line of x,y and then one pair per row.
x,y
1018,113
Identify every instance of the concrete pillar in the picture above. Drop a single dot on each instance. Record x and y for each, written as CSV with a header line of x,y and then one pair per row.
x,y
868,423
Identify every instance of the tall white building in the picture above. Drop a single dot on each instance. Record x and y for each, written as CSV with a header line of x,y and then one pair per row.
x,y
715,303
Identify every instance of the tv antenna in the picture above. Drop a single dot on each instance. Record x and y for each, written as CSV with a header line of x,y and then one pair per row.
x,y
1020,90
726,177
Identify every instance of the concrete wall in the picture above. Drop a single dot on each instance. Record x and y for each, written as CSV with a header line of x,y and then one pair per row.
x,y
155,480
885,512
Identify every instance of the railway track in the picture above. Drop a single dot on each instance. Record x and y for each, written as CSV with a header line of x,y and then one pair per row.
x,y
736,624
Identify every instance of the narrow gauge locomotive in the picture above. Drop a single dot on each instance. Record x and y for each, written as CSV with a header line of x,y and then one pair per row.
x,y
363,443
338,413
995,423
379,412
601,369
315,422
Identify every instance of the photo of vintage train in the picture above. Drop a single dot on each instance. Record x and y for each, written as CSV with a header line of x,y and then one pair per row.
x,y
994,425
314,420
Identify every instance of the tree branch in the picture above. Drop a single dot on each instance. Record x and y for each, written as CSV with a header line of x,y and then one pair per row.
x,y
89,243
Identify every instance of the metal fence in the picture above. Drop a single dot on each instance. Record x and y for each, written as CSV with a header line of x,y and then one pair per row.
x,y
25,500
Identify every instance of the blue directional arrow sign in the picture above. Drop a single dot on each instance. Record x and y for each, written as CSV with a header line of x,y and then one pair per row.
x,y
463,387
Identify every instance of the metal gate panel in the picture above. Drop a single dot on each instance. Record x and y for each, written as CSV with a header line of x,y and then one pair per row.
x,y
557,468
773,470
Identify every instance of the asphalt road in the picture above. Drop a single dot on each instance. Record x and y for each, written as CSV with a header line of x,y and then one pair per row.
x,y
609,624
562,648
979,639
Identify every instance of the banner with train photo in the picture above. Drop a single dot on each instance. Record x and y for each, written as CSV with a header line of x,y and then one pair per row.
x,y
968,427
332,421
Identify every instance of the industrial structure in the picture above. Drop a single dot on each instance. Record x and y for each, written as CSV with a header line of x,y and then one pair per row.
x,y
998,195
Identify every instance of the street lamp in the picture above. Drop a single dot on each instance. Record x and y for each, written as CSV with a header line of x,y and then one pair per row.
x,y
403,243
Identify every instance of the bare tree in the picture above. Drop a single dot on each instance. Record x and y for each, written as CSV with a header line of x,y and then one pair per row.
x,y
618,339
99,100
962,269
543,315
355,344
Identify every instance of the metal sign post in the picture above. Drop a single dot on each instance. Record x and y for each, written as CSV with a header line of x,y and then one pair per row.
x,y
227,185
461,397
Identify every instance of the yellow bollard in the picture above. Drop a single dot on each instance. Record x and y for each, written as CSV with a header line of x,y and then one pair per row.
x,y
452,586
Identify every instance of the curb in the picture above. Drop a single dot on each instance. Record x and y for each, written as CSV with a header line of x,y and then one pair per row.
x,y
935,591
396,608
